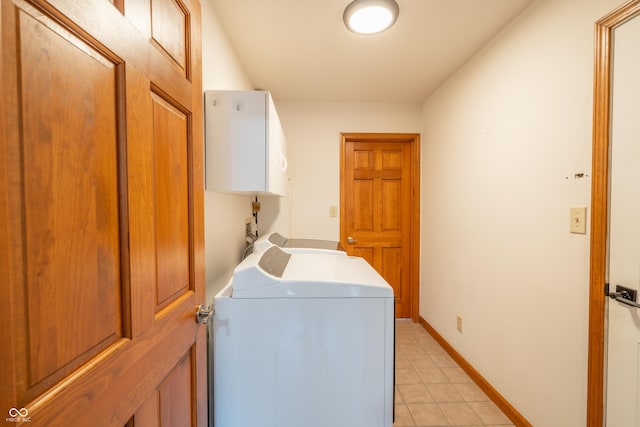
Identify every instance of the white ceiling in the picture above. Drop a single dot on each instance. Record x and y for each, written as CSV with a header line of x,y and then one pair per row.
x,y
300,49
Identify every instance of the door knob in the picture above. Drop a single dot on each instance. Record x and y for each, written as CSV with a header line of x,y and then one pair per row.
x,y
203,314
351,240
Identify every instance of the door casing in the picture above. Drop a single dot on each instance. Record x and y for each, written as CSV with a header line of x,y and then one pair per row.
x,y
604,29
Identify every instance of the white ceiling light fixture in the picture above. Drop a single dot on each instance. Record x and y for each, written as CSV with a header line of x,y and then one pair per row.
x,y
370,16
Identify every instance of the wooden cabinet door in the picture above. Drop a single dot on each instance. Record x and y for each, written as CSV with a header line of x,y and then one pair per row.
x,y
378,221
101,206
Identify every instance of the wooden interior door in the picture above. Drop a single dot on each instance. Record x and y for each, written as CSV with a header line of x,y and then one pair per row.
x,y
623,320
378,206
614,327
101,206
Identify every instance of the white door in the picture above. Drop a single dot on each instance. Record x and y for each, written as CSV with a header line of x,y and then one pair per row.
x,y
623,339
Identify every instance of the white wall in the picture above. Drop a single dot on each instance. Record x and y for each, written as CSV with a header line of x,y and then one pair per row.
x,y
502,141
313,136
224,214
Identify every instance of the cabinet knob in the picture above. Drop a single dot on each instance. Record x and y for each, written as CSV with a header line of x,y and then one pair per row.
x,y
284,163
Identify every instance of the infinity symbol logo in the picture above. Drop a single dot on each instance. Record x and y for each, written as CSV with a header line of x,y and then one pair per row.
x,y
15,412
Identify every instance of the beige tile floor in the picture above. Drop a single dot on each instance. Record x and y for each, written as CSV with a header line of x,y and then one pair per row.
x,y
432,390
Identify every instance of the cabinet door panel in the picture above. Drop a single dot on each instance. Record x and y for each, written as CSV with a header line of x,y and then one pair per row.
x,y
246,146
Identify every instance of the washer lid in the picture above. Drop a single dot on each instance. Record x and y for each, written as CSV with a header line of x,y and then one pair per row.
x,y
277,274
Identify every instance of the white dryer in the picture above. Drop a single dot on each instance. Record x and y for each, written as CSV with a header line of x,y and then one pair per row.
x,y
303,340
298,245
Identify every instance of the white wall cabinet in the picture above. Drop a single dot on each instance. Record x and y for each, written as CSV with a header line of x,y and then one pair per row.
x,y
245,146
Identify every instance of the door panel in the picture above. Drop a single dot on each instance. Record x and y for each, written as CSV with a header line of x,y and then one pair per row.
x,y
391,264
174,395
377,209
170,141
101,247
363,205
623,338
65,185
366,253
392,191
168,22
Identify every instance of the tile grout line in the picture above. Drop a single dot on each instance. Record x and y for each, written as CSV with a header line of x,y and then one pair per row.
x,y
427,348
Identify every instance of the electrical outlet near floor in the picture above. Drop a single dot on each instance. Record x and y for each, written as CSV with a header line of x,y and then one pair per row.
x,y
459,323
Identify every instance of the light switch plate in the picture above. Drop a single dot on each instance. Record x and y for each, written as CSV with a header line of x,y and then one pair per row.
x,y
578,220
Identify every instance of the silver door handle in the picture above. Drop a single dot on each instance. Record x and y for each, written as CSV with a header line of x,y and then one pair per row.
x,y
351,240
624,295
203,314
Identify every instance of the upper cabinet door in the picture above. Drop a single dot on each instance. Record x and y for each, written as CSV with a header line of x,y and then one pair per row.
x,y
245,144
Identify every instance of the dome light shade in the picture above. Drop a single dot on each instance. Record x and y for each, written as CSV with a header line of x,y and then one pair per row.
x,y
370,16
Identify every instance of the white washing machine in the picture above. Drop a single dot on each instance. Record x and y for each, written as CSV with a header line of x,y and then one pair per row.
x,y
303,340
298,245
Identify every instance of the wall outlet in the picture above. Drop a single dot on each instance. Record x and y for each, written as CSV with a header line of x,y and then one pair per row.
x,y
459,323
